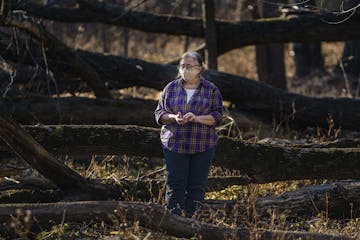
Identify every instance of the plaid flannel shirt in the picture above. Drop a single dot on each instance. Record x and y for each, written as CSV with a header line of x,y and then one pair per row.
x,y
190,137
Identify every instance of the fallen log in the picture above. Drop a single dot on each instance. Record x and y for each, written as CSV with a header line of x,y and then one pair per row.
x,y
303,28
148,215
265,102
69,181
261,162
78,110
337,143
335,199
34,110
38,81
147,187
7,170
31,196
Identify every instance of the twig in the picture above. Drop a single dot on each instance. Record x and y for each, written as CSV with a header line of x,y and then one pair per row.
x,y
152,173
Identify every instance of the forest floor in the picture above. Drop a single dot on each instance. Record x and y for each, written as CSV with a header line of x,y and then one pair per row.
x,y
124,166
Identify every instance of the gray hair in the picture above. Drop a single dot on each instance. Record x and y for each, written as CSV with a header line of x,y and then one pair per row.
x,y
194,55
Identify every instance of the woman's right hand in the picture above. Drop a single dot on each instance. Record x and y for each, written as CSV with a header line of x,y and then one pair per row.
x,y
179,118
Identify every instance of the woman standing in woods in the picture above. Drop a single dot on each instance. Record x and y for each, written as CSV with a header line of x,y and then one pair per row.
x,y
189,109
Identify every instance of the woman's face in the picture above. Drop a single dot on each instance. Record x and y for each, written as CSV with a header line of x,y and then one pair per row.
x,y
189,63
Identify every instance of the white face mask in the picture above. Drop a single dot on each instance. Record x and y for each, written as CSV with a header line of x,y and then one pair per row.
x,y
189,74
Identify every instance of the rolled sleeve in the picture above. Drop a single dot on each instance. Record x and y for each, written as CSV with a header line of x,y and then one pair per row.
x,y
160,109
158,114
217,108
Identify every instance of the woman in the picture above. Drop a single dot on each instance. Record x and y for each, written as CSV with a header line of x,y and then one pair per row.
x,y
189,109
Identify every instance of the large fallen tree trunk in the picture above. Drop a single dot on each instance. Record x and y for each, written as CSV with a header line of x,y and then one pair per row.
x,y
303,28
262,162
69,181
337,143
336,199
78,110
35,79
7,170
261,100
34,110
269,104
147,187
148,215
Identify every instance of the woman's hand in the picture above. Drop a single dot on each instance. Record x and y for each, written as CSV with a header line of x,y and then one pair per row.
x,y
203,119
191,117
179,119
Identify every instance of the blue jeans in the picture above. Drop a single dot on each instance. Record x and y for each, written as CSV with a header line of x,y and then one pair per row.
x,y
186,180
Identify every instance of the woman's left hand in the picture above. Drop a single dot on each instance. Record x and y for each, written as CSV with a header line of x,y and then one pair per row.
x,y
190,117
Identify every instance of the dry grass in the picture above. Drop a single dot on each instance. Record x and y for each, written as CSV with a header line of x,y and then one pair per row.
x,y
125,166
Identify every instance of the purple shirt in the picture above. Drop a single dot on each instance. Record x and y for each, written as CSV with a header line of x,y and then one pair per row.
x,y
190,137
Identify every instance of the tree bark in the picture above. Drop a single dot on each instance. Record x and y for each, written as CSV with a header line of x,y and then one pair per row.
x,y
208,12
148,188
261,162
148,215
334,199
77,110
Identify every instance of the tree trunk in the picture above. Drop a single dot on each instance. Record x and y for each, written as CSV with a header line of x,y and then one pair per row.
x,y
230,35
141,188
7,170
208,11
148,215
270,63
336,199
308,59
333,199
270,104
38,158
77,110
261,162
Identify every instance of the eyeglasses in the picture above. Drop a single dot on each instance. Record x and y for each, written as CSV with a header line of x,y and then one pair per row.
x,y
188,66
